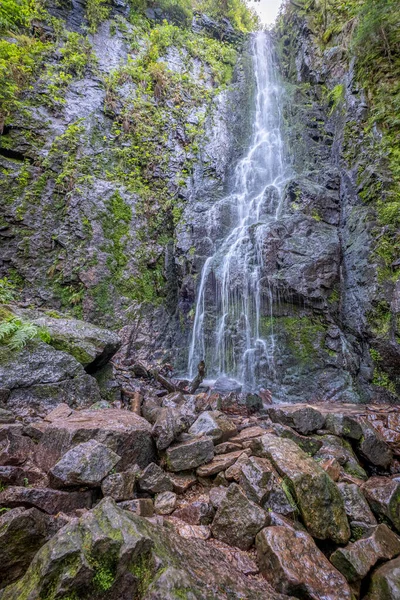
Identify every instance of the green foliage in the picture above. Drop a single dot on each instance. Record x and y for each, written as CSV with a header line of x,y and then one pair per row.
x,y
19,60
15,14
380,377
238,12
336,96
96,12
16,333
7,291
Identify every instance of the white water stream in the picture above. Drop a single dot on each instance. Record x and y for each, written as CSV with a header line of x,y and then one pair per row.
x,y
226,330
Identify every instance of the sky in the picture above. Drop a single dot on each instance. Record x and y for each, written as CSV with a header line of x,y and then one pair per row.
x,y
267,9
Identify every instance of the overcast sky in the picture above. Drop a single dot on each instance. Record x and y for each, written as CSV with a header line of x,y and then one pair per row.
x,y
267,9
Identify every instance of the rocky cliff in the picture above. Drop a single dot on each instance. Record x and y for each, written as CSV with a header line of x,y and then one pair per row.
x,y
120,127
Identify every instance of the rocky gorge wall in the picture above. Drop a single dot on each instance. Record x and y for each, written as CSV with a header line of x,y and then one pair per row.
x,y
124,133
331,261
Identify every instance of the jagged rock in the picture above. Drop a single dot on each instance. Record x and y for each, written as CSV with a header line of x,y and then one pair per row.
x,y
233,472
62,411
331,467
143,507
279,520
357,558
28,474
383,496
226,447
6,416
182,481
47,500
219,463
317,497
22,533
131,558
309,445
85,464
195,513
40,377
14,447
120,486
238,520
343,425
122,431
304,420
170,422
90,345
292,564
373,447
247,434
385,582
261,484
35,430
155,480
165,503
214,424
340,450
355,504
217,495
189,454
185,530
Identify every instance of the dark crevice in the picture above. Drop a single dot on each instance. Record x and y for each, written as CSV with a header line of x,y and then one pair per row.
x,y
15,155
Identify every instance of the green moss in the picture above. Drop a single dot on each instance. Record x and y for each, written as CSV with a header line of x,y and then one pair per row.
x,y
143,570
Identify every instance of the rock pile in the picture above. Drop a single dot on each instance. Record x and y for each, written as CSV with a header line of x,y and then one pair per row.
x,y
294,501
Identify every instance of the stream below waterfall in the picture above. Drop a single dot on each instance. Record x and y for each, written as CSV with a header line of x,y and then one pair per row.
x,y
226,331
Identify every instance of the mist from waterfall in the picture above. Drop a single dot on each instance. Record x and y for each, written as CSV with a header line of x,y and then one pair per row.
x,y
227,326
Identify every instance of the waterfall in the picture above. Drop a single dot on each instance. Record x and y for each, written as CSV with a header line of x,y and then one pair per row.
x,y
226,330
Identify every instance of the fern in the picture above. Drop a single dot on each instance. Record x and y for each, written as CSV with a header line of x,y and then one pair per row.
x,y
7,291
16,333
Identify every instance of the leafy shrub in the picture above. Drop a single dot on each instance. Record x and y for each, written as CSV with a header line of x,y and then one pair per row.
x,y
16,333
7,291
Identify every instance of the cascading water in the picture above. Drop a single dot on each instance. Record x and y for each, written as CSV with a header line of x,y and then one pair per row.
x,y
226,331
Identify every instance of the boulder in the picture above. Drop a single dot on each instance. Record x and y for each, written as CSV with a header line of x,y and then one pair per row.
x,y
22,533
304,419
128,557
90,345
165,503
182,481
15,448
340,450
226,447
214,424
124,432
28,474
185,530
238,520
308,444
355,504
316,495
45,499
383,496
198,512
385,582
86,464
62,411
40,377
190,454
155,480
261,484
219,463
292,564
120,486
143,507
356,559
343,426
373,447
217,495
170,422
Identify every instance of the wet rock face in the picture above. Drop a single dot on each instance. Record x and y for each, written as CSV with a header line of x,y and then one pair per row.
x,y
22,533
238,520
123,432
152,559
292,563
356,559
316,495
86,464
